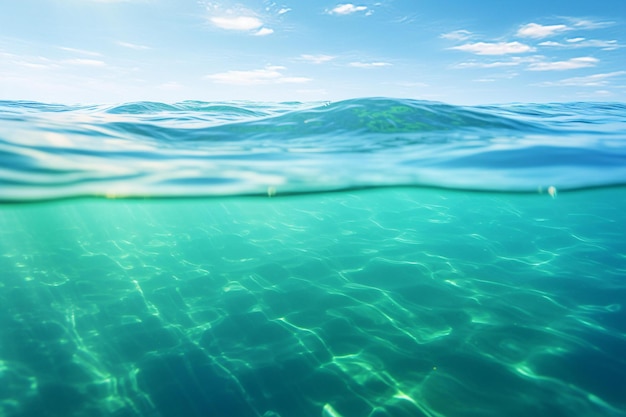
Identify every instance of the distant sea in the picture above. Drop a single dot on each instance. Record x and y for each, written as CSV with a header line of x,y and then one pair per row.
x,y
365,258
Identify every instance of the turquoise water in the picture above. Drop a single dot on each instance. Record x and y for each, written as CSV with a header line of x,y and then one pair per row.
x,y
440,277
217,149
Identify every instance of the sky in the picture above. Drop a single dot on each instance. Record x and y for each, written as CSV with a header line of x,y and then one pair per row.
x,y
454,51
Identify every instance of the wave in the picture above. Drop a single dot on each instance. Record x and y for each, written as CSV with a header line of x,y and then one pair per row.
x,y
194,148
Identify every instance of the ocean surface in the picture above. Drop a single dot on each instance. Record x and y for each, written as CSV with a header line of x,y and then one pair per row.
x,y
365,258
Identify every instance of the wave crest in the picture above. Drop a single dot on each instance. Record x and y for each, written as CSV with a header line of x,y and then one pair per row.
x,y
193,148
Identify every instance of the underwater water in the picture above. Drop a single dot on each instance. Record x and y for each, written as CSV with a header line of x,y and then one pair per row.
x,y
368,258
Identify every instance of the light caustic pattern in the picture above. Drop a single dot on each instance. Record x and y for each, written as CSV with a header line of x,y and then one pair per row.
x,y
392,302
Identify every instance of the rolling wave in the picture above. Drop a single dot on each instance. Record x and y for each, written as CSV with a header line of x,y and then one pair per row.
x,y
193,148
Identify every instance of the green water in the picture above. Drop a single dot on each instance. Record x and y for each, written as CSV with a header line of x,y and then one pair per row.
x,y
389,302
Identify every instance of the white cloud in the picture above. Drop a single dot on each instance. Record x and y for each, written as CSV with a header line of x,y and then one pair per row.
x,y
271,74
243,23
264,32
590,24
536,31
574,63
510,62
497,64
551,43
596,80
498,48
584,43
404,19
595,43
369,64
43,63
347,8
35,63
457,35
316,59
80,51
238,19
134,46
284,10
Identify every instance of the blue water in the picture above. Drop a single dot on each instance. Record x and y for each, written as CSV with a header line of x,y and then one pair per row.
x,y
366,258
217,149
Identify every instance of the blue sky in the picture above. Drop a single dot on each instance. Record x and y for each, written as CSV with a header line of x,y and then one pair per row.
x,y
455,51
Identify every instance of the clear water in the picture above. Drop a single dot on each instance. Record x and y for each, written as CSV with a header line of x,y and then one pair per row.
x,y
421,286
217,149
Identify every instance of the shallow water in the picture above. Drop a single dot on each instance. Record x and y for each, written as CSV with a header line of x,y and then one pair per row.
x,y
389,302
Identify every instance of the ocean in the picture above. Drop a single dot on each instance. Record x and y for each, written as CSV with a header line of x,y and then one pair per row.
x,y
372,257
